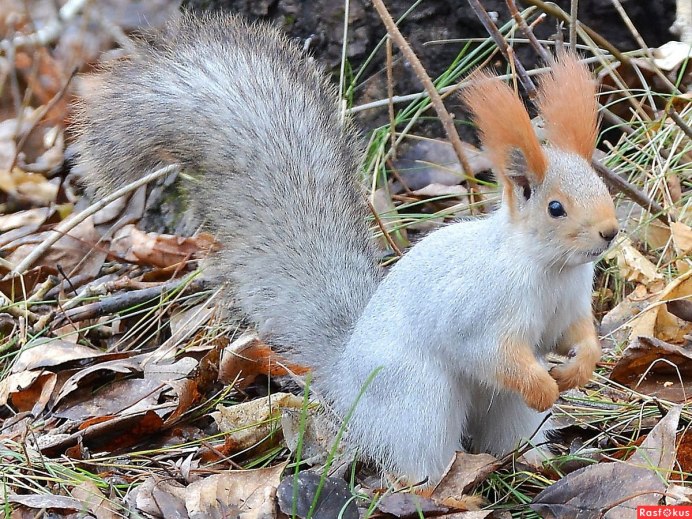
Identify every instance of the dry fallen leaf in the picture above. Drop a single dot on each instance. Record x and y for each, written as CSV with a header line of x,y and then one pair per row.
x,y
18,287
315,435
106,434
584,494
57,353
243,494
464,473
93,500
335,499
164,250
249,423
78,253
44,501
682,238
655,368
658,450
28,390
634,266
247,357
119,397
410,506
37,216
657,321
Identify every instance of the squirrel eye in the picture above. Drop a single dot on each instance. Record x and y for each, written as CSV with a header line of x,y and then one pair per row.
x,y
556,210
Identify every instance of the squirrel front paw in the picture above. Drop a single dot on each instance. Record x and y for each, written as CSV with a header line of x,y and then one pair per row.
x,y
575,372
542,393
580,344
521,371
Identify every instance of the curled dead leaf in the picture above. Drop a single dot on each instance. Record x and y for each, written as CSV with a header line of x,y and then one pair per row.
x,y
249,423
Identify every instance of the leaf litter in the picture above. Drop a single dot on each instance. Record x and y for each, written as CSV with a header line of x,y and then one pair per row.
x,y
126,386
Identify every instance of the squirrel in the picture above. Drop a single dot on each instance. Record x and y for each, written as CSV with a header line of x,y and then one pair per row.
x,y
460,326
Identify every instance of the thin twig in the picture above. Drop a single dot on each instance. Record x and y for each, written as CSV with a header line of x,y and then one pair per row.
x,y
681,124
11,53
621,185
70,223
44,110
344,48
385,233
390,95
526,30
643,46
573,12
499,40
444,90
558,13
435,99
123,300
17,310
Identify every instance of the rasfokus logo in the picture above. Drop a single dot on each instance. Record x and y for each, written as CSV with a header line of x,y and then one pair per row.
x,y
665,512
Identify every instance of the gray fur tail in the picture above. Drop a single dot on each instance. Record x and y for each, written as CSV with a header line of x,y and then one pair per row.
x,y
245,107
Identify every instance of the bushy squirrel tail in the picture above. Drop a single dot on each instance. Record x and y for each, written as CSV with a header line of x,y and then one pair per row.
x,y
245,108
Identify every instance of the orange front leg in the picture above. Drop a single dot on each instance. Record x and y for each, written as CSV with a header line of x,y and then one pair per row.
x,y
581,345
520,371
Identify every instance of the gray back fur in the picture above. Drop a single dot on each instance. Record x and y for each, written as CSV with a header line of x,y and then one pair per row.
x,y
246,108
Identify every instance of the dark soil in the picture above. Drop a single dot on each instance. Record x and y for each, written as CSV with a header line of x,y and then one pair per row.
x,y
321,21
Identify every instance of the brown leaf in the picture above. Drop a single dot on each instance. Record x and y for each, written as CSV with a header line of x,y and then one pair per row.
x,y
35,397
30,217
465,472
16,382
682,238
251,422
247,357
109,435
93,499
159,497
164,250
593,490
245,494
315,435
681,309
18,287
658,450
45,501
57,353
92,373
76,253
654,367
335,499
634,266
188,395
170,499
119,397
657,321
33,187
684,456
409,506
642,478
475,514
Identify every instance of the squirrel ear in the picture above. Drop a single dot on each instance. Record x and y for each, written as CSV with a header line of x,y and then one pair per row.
x,y
567,102
519,173
504,125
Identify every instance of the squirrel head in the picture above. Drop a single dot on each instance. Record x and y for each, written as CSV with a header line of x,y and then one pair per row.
x,y
551,192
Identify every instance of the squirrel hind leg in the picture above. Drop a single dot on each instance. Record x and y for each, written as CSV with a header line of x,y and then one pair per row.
x,y
417,445
502,422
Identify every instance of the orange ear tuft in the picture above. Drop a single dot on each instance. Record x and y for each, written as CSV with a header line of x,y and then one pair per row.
x,y
504,124
567,101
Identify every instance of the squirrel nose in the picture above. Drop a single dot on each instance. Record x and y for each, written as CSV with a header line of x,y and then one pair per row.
x,y
609,234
